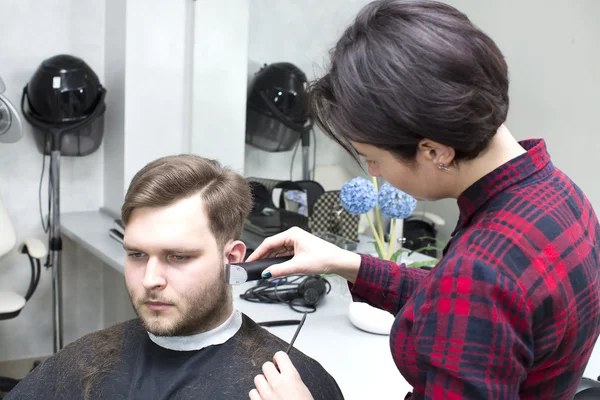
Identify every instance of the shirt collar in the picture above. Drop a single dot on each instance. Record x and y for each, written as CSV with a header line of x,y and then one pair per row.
x,y
535,160
216,336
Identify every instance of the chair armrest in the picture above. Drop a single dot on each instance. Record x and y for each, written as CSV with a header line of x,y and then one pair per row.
x,y
34,247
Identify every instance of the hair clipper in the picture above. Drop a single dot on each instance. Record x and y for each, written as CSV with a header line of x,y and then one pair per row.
x,y
236,274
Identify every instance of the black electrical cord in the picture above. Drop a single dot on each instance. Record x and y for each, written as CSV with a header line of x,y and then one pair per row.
x,y
283,291
46,225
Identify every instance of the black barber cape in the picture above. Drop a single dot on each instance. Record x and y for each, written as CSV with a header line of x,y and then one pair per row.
x,y
122,362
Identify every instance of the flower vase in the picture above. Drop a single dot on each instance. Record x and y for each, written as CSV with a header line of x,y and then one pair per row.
x,y
366,317
370,319
360,197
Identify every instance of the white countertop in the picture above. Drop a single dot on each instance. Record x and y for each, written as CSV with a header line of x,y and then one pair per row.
x,y
90,229
360,362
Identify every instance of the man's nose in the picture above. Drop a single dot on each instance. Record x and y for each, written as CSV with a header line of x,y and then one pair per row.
x,y
154,276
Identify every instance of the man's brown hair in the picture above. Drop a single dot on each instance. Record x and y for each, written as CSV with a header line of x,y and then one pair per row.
x,y
225,193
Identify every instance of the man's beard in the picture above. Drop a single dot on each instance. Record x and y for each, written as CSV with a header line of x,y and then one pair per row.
x,y
197,312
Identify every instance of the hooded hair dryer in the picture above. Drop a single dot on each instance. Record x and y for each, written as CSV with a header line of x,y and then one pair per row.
x,y
64,103
277,114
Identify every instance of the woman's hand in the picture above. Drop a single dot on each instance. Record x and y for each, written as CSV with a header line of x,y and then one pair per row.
x,y
312,255
282,384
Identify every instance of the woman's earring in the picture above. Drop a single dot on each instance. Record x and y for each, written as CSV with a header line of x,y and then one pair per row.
x,y
443,167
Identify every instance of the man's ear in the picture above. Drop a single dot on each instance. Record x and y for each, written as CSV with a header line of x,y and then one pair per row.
x,y
235,252
435,152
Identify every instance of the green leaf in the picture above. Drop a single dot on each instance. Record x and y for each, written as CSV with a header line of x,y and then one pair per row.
x,y
396,254
379,251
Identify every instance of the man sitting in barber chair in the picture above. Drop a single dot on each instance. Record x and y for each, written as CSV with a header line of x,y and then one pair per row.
x,y
183,216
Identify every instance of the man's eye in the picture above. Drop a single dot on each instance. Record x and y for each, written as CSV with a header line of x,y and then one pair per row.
x,y
180,258
135,255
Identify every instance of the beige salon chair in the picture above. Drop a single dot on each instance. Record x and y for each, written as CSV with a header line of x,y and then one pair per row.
x,y
12,303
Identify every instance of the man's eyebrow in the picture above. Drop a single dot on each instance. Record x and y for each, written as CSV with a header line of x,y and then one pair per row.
x,y
129,248
183,250
188,250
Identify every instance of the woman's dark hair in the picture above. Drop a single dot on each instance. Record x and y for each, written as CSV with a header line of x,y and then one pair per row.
x,y
408,70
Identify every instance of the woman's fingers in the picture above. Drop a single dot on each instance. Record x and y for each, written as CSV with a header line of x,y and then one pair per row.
x,y
277,245
283,269
269,246
263,387
311,255
280,381
280,252
254,395
283,362
270,371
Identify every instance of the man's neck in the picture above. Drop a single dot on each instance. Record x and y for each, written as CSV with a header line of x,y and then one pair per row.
x,y
219,335
217,317
502,148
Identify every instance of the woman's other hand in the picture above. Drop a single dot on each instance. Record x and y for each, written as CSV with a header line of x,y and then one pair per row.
x,y
312,255
280,381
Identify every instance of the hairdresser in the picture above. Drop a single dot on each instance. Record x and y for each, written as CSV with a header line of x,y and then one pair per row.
x,y
512,309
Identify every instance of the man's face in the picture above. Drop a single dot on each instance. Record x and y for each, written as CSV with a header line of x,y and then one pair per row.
x,y
174,269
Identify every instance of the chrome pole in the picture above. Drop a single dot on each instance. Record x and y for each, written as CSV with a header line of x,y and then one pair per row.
x,y
305,161
305,137
56,243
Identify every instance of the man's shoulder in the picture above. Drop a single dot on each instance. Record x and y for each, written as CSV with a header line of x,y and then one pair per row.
x,y
266,344
128,327
255,335
79,366
96,345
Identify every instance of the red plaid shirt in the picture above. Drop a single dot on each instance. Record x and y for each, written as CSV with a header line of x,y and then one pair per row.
x,y
513,308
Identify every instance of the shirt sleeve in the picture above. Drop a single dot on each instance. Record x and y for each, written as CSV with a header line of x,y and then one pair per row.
x,y
472,333
385,284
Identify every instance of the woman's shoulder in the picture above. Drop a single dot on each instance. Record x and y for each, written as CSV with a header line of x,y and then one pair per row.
x,y
520,237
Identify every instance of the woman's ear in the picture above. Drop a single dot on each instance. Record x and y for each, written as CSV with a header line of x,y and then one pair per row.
x,y
235,252
434,152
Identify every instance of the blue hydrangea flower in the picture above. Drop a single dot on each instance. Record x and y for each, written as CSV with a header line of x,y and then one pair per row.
x,y
358,196
395,203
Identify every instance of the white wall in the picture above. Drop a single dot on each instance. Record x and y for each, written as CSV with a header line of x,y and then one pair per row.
x,y
31,32
219,78
114,73
156,117
148,70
